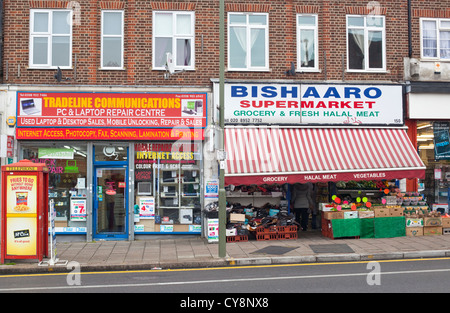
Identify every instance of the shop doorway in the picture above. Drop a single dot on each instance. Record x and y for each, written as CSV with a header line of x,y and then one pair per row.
x,y
110,202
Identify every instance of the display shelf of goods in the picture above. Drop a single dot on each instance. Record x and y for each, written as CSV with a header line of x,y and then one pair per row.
x,y
362,185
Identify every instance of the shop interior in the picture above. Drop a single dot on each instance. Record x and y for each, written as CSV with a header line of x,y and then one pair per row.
x,y
434,150
251,210
67,181
167,189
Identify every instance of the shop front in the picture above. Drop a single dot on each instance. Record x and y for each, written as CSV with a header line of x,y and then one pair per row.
x,y
429,119
346,141
121,165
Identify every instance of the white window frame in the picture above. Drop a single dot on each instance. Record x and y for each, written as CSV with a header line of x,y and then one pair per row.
x,y
438,40
315,28
49,35
366,39
175,36
248,31
121,67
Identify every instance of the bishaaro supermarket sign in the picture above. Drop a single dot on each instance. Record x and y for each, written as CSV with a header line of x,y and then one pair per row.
x,y
313,104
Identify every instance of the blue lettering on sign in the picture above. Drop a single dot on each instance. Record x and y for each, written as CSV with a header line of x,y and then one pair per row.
x,y
238,91
265,91
349,92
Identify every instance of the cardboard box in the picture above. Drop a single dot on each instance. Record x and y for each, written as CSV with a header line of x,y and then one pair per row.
x,y
237,218
432,221
60,223
397,211
432,230
445,222
445,231
149,224
414,222
414,231
181,228
366,214
381,212
332,215
350,214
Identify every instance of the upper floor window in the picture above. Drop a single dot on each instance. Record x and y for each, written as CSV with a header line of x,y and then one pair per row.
x,y
366,43
173,32
50,38
307,42
435,38
248,44
112,40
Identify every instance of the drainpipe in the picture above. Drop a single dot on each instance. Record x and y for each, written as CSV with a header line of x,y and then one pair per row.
x,y
1,39
410,52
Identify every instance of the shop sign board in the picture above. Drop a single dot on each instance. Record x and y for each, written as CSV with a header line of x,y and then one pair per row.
x,y
109,116
55,153
307,104
291,178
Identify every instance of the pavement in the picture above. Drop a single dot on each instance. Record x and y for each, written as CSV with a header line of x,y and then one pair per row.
x,y
195,252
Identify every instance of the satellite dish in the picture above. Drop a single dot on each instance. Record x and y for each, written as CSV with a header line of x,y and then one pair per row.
x,y
291,71
170,66
58,75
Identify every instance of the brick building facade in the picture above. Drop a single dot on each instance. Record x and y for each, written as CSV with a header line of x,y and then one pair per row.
x,y
113,50
137,69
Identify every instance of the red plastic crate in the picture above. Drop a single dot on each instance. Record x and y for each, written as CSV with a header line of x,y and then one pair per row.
x,y
286,236
288,229
237,238
266,230
266,236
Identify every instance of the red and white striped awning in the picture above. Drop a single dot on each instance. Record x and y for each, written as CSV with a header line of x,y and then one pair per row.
x,y
258,155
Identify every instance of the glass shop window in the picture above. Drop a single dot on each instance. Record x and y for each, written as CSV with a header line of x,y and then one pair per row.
x,y
167,187
67,183
108,152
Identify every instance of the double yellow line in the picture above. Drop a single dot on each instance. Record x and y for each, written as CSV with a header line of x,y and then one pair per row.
x,y
221,268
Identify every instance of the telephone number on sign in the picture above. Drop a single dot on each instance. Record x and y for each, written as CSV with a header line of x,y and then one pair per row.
x,y
243,120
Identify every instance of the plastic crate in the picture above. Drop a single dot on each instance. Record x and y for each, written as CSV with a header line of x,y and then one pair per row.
x,y
266,236
266,230
288,229
287,236
239,238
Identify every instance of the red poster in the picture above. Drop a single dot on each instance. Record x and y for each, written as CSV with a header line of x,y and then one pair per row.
x,y
107,116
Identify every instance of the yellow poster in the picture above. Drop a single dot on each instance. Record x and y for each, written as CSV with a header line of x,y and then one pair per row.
x,y
21,215
21,194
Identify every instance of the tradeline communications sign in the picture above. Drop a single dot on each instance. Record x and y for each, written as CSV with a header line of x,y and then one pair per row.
x,y
88,115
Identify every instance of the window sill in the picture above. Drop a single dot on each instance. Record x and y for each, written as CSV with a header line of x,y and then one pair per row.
x,y
190,69
49,68
434,60
368,71
248,70
308,70
112,68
